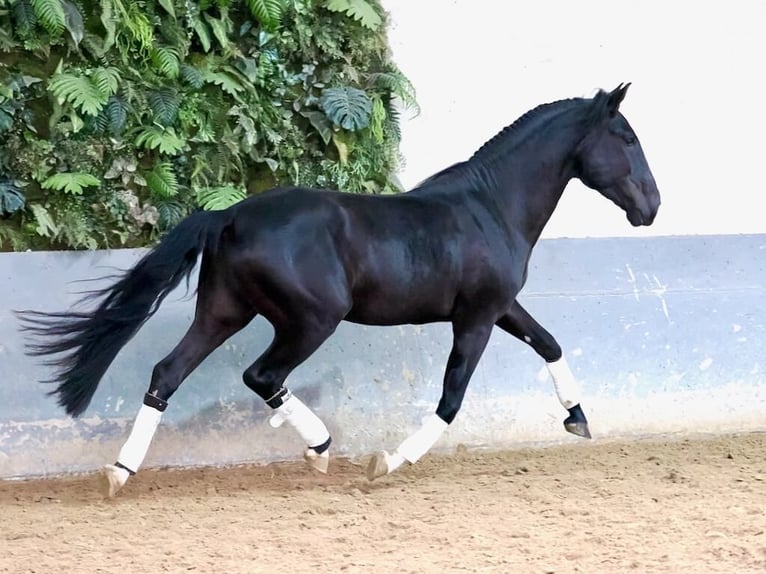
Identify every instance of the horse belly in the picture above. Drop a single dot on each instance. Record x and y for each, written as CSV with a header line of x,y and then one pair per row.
x,y
400,302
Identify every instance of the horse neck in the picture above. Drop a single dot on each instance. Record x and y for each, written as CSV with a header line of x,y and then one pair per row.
x,y
526,182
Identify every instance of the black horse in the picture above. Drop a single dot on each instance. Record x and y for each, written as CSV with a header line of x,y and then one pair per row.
x,y
454,249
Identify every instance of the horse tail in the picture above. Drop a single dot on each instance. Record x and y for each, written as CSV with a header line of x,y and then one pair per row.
x,y
90,340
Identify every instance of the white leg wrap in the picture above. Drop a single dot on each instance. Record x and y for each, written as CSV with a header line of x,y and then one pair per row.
x,y
566,386
420,442
134,450
302,419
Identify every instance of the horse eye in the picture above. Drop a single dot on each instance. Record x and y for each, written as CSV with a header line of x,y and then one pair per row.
x,y
631,140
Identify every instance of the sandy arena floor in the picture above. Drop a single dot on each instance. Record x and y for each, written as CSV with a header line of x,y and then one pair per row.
x,y
686,505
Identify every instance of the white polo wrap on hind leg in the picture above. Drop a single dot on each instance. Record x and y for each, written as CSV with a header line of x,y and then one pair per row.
x,y
135,448
294,412
566,386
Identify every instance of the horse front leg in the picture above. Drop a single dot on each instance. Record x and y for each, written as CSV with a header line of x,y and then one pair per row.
x,y
521,325
468,345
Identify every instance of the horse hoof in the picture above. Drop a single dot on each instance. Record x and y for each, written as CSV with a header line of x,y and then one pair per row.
x,y
112,480
320,462
578,429
377,467
576,423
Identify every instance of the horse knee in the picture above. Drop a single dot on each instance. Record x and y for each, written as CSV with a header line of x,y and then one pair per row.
x,y
548,349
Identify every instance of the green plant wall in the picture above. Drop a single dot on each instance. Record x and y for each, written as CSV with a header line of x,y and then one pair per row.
x,y
120,117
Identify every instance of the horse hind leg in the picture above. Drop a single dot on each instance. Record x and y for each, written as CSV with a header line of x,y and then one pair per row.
x,y
291,346
218,316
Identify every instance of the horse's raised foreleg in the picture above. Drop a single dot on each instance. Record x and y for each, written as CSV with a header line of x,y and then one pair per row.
x,y
266,376
521,325
218,316
468,345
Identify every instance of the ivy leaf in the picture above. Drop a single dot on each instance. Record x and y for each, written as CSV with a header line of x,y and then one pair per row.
x,y
219,31
72,183
202,33
349,108
6,121
45,225
221,197
320,123
11,197
359,10
168,6
73,21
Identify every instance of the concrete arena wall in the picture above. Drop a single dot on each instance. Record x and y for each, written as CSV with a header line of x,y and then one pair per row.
x,y
665,334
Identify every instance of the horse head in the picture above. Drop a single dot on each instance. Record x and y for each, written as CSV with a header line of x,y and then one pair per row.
x,y
610,160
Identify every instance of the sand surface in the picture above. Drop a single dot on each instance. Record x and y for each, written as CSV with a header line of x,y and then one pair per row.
x,y
676,505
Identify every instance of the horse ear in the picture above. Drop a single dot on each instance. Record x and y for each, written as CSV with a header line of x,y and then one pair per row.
x,y
615,98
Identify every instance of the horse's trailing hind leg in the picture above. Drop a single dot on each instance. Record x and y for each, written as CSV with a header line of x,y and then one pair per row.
x,y
215,322
467,347
266,376
521,325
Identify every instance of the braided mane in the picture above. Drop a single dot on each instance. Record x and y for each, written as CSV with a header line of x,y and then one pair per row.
x,y
508,132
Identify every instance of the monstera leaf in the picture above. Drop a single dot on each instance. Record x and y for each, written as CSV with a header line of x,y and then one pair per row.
x,y
349,108
11,198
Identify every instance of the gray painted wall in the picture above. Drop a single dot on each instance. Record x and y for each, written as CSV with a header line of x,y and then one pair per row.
x,y
665,334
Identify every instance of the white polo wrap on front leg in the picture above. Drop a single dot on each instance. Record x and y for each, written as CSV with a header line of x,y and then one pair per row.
x,y
421,441
309,426
135,448
566,386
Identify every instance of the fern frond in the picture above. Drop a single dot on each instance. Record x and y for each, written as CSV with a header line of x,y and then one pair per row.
x,y
267,12
24,17
163,139
106,80
164,104
162,181
50,14
221,197
167,61
359,10
72,183
395,83
170,213
116,113
192,76
78,91
227,82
